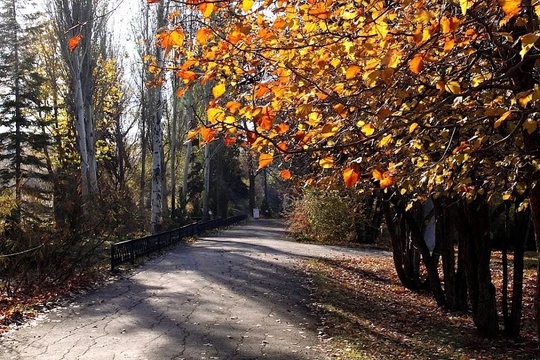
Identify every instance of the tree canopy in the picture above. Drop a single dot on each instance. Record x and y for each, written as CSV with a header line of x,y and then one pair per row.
x,y
424,99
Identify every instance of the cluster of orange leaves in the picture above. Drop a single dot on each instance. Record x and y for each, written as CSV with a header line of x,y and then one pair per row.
x,y
327,77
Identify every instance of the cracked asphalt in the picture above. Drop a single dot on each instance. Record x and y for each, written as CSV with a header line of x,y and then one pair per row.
x,y
231,295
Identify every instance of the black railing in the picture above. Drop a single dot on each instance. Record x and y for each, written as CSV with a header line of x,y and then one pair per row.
x,y
129,250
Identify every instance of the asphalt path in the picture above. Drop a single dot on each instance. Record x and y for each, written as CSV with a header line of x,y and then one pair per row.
x,y
233,295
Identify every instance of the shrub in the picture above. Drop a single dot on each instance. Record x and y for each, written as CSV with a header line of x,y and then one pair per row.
x,y
321,217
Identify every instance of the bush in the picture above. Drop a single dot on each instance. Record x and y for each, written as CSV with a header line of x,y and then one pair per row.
x,y
321,217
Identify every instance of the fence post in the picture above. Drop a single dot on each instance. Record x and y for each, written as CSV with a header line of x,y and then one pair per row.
x,y
132,253
112,257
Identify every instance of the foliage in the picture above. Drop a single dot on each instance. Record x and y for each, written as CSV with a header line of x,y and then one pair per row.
x,y
322,217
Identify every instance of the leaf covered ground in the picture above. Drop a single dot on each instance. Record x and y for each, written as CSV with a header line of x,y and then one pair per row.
x,y
366,314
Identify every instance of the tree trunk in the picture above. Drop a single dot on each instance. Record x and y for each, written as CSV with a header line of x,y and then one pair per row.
x,y
454,277
80,126
474,229
91,148
174,131
18,119
206,174
535,216
398,253
522,225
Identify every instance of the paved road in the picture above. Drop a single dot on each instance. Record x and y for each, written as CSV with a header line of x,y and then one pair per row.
x,y
234,295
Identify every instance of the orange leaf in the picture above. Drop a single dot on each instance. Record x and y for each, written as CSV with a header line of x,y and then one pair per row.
x,y
74,42
387,181
152,1
206,9
261,90
510,7
282,128
234,37
377,175
282,146
203,35
351,175
251,136
229,141
265,160
186,75
285,174
352,71
233,106
180,92
417,63
266,119
207,134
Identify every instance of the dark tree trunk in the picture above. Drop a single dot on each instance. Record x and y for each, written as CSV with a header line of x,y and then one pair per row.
x,y
474,230
454,276
407,279
512,321
417,240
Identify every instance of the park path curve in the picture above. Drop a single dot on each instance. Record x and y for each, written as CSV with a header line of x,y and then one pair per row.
x,y
232,295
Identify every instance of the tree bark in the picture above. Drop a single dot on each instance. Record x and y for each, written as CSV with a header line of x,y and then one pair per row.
x,y
474,230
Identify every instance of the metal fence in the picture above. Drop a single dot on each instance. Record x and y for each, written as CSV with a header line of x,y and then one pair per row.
x,y
129,250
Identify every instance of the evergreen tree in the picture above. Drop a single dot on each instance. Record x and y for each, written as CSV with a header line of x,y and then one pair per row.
x,y
20,136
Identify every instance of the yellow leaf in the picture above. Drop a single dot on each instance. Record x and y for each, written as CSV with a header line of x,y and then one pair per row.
x,y
326,162
453,87
177,38
530,125
501,119
192,133
464,4
265,160
218,90
510,7
507,196
215,115
246,5
412,127
527,43
352,71
368,129
417,63
385,140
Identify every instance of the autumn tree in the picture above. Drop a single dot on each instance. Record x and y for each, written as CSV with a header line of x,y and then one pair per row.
x,y
425,99
76,24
